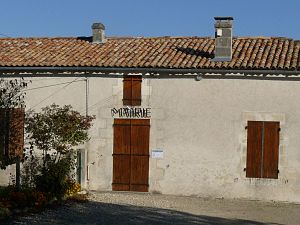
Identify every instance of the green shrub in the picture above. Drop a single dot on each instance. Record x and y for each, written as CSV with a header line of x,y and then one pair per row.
x,y
73,189
54,133
54,176
4,212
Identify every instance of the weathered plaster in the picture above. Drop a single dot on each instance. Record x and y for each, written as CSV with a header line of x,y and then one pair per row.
x,y
200,126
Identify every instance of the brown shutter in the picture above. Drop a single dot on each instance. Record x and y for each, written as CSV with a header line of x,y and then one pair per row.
x,y
3,132
127,92
136,91
16,131
121,155
12,131
254,149
271,149
140,131
132,90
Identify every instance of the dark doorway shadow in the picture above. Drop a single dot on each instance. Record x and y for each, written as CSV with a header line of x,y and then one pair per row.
x,y
92,213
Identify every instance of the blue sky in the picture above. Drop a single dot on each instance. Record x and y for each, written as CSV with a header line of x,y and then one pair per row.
x,y
27,18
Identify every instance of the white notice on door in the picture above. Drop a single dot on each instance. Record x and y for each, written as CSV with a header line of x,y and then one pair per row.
x,y
157,153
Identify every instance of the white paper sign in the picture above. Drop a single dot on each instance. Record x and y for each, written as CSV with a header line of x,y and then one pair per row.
x,y
157,153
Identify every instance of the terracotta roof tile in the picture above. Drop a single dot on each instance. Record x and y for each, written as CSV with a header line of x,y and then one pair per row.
x,y
162,52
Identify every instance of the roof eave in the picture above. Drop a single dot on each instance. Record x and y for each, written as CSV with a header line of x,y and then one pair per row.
x,y
25,71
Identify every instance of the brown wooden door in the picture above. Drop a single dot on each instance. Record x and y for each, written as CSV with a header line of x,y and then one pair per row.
x,y
131,155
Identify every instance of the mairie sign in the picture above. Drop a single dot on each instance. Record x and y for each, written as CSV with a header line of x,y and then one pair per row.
x,y
129,112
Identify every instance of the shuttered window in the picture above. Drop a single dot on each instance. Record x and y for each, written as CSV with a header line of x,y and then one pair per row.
x,y
262,149
12,131
132,90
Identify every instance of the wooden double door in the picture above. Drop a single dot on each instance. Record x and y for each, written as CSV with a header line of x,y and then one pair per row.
x,y
131,155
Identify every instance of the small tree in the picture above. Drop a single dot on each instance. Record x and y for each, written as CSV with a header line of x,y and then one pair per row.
x,y
55,131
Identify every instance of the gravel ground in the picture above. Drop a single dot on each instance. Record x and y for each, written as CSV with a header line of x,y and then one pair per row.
x,y
139,208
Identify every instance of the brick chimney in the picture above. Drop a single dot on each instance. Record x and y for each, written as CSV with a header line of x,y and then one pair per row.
x,y
223,39
98,33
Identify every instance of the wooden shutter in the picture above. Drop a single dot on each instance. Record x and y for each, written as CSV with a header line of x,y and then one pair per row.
x,y
127,92
254,149
140,131
12,131
121,155
132,90
4,131
270,150
136,91
262,149
16,131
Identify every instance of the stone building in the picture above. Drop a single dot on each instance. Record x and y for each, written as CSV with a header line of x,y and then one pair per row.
x,y
174,115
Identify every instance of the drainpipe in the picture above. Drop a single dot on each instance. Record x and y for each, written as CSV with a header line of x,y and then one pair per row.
x,y
87,145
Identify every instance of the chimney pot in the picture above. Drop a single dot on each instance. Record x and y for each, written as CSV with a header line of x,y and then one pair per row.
x,y
98,33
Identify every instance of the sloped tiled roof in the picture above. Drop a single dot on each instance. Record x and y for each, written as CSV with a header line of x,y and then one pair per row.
x,y
253,53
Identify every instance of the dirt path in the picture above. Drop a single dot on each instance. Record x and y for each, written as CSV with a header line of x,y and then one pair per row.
x,y
134,208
